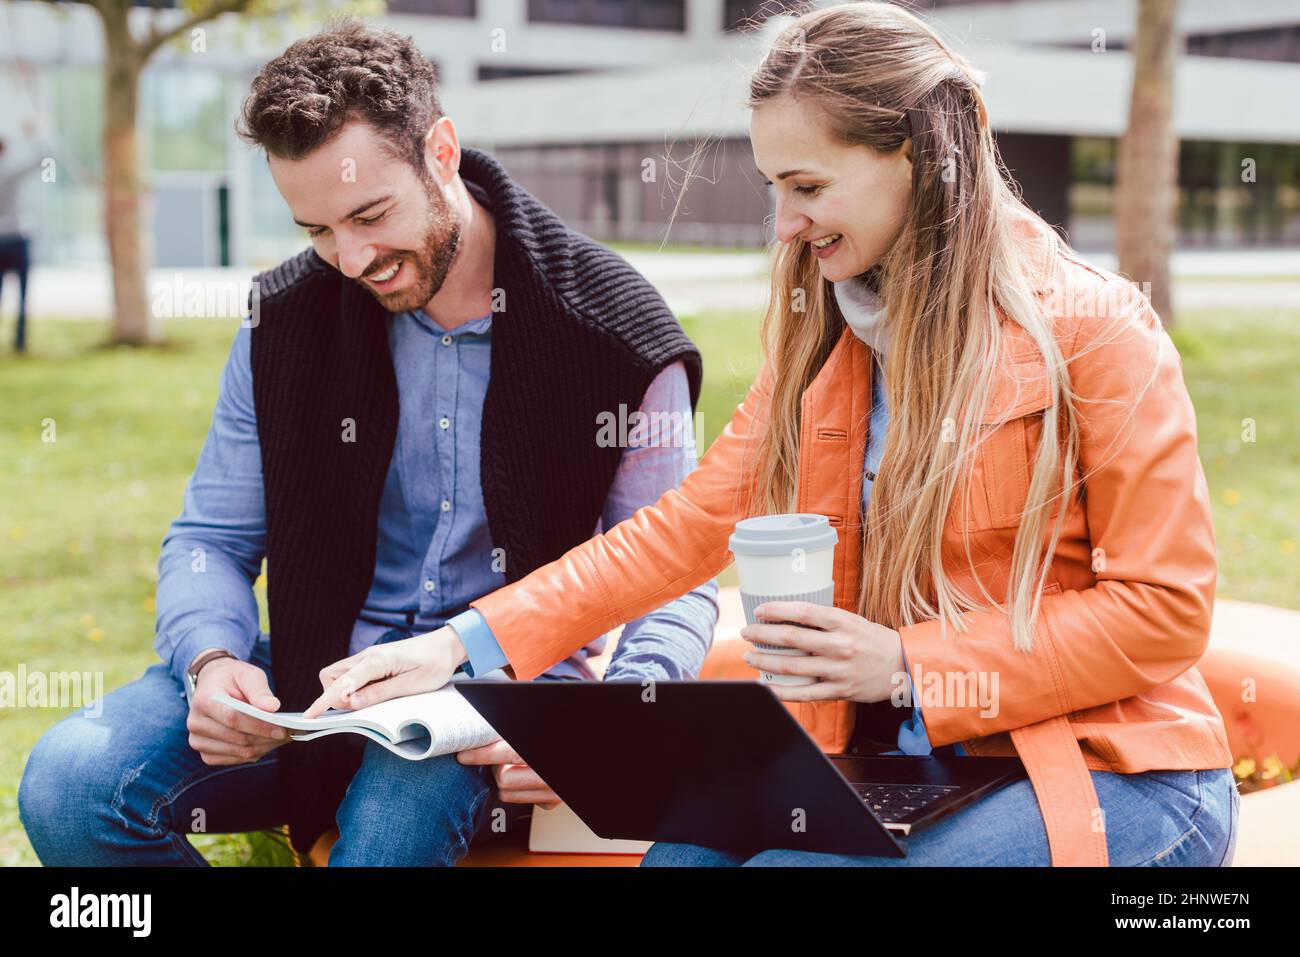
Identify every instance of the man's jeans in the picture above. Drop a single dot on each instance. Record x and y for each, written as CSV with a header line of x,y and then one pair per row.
x,y
124,787
1152,819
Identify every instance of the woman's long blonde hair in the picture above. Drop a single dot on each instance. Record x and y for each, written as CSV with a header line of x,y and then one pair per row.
x,y
878,75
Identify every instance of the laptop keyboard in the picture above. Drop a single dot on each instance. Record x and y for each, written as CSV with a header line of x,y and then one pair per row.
x,y
898,802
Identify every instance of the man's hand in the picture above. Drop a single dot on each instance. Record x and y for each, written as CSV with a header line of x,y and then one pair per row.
x,y
517,783
218,732
391,670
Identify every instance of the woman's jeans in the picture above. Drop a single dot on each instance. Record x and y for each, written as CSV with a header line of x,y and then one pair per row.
x,y
1153,819
124,787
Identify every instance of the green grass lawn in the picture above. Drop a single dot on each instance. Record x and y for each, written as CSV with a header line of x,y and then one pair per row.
x,y
82,518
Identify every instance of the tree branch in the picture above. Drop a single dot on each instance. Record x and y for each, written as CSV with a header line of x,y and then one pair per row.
x,y
157,38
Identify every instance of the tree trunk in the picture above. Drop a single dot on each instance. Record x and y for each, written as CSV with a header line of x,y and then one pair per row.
x,y
133,322
1146,175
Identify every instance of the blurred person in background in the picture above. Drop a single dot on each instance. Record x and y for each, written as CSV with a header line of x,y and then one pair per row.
x,y
17,161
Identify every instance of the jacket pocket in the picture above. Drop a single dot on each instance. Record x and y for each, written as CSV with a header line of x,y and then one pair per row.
x,y
999,470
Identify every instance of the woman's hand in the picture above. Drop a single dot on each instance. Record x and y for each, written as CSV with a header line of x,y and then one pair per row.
x,y
852,658
390,670
517,783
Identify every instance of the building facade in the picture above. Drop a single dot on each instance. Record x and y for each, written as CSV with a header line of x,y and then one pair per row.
x,y
627,116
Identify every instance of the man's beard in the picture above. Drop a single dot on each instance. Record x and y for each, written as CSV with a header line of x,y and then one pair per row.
x,y
429,265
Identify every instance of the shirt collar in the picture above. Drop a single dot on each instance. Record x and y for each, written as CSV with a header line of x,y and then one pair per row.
x,y
475,326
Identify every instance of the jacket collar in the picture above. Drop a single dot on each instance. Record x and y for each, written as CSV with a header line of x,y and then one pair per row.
x,y
1020,384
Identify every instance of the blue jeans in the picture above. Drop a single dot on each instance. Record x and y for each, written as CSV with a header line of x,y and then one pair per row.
x,y
1152,819
124,787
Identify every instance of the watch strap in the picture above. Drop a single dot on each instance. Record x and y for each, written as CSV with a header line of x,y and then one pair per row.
x,y
192,672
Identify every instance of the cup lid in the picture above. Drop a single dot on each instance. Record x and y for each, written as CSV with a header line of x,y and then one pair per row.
x,y
781,534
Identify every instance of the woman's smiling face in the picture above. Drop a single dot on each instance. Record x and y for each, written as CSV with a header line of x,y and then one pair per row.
x,y
847,202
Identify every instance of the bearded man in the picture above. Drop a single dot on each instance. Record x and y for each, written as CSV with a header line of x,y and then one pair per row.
x,y
414,414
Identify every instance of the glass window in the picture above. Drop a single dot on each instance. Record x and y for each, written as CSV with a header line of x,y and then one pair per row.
x,y
187,117
635,14
435,8
1229,194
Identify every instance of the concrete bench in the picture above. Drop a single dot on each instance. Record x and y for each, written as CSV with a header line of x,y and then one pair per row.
x,y
1248,642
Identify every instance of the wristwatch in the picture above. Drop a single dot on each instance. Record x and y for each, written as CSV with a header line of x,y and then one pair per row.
x,y
192,673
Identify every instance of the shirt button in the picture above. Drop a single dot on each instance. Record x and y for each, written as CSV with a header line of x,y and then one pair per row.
x,y
444,422
429,584
446,340
446,505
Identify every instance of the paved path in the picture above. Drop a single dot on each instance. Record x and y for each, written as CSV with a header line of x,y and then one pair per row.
x,y
691,282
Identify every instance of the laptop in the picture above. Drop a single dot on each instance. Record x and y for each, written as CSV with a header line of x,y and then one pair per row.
x,y
722,764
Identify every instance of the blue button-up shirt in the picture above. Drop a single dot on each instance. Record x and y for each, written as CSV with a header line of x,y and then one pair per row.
x,y
434,551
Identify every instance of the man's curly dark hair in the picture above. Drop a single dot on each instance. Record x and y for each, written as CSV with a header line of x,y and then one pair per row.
x,y
348,71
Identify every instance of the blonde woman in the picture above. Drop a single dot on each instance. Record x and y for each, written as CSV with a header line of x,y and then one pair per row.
x,y
1002,435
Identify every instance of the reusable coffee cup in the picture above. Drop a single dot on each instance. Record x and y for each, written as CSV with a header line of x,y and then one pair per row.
x,y
784,558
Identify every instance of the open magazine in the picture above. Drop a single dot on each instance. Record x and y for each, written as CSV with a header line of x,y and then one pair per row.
x,y
415,727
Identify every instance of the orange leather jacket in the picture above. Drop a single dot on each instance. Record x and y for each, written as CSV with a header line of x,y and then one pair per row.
x,y
1111,683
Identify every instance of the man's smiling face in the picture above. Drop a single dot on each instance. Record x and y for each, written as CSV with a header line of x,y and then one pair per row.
x,y
372,216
